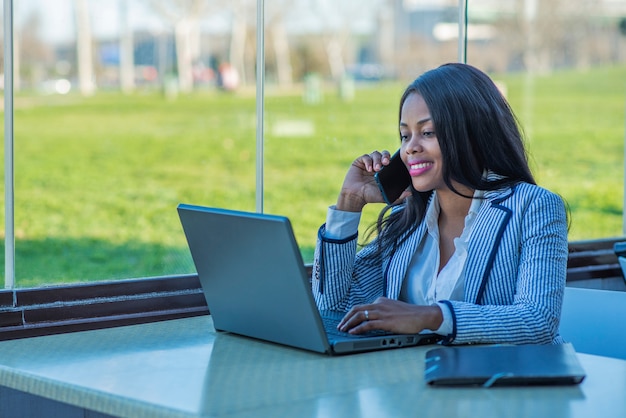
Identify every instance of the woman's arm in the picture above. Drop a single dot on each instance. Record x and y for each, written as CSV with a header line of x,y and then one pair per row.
x,y
341,277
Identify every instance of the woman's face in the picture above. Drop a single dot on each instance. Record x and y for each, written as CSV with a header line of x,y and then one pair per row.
x,y
420,148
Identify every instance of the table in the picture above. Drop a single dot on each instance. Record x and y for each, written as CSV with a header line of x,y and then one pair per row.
x,y
183,368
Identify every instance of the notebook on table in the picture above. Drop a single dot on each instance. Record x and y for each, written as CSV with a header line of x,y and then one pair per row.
x,y
255,283
503,365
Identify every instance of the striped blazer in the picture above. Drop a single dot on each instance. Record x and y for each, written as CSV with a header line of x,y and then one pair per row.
x,y
514,274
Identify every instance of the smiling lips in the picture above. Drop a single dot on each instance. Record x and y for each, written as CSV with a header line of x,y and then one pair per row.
x,y
417,168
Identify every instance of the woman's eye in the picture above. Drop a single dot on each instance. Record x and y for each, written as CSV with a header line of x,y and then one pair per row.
x,y
403,137
428,134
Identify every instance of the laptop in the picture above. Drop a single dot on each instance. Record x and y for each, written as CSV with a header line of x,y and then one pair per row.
x,y
503,365
255,283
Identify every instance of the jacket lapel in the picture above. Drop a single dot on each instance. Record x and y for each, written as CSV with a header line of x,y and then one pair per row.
x,y
490,225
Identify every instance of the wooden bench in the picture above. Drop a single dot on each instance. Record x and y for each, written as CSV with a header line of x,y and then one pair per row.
x,y
593,264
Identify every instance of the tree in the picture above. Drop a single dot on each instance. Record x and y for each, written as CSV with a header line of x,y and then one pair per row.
x,y
338,31
243,12
31,55
184,15
84,48
243,17
280,42
127,62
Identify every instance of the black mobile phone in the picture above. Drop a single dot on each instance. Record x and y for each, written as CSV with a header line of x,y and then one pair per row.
x,y
393,179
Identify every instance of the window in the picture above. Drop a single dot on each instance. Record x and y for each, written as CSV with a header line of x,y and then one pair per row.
x,y
125,108
562,66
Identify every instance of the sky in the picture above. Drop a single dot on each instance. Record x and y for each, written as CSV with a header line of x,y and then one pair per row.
x,y
57,16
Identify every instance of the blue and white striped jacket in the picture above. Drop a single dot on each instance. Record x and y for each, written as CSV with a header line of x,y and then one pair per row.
x,y
514,275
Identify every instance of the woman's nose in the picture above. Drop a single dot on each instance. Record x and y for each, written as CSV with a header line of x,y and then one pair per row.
x,y
414,144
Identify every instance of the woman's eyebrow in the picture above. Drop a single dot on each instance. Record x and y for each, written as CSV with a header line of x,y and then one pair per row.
x,y
419,122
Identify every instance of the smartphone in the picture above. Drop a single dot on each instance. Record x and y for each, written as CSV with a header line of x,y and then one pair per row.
x,y
393,179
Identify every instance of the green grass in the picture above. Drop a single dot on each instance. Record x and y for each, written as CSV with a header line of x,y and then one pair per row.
x,y
575,125
98,179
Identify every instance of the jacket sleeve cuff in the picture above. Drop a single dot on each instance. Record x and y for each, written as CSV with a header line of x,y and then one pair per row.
x,y
448,326
341,224
321,234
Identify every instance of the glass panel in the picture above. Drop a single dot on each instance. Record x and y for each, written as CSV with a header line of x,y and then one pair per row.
x,y
562,66
114,126
120,116
335,74
2,165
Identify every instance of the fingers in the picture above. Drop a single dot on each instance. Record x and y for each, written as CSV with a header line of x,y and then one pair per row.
x,y
364,316
358,319
391,315
380,159
359,186
375,160
386,157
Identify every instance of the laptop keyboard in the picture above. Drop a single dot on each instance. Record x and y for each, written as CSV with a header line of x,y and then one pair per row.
x,y
332,318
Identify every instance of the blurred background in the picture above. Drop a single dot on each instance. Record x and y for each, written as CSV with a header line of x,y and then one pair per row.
x,y
123,109
86,45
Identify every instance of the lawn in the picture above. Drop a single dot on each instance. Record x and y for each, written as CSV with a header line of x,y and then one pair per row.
x,y
98,179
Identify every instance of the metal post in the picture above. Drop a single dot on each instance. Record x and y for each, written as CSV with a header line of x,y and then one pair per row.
x,y
624,179
260,97
462,48
9,238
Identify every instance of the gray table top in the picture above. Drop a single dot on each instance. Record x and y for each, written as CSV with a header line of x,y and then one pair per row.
x,y
183,368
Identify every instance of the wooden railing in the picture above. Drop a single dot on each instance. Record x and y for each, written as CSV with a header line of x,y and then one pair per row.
x,y
594,264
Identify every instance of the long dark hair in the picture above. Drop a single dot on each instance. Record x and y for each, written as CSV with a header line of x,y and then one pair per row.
x,y
477,133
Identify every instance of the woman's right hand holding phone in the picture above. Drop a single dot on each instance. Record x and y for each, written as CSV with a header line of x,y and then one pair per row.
x,y
359,186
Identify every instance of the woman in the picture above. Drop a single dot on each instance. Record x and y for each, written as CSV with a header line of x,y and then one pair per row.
x,y
474,250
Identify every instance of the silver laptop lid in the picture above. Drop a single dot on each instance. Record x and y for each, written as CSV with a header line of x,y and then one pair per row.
x,y
253,276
